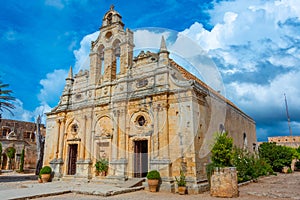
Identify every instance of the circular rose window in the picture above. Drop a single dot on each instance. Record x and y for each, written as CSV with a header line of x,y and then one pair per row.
x,y
141,120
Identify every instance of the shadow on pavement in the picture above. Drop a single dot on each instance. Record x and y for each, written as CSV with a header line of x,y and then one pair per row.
x,y
16,178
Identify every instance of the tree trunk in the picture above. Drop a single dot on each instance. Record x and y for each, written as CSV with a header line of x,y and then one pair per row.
x,y
40,142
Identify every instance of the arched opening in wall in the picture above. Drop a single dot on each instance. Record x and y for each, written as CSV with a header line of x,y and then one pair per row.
x,y
74,128
116,60
109,19
4,161
221,128
101,54
5,131
245,141
140,158
32,137
141,120
73,150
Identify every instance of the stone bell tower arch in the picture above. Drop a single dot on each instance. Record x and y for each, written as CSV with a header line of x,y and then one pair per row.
x,y
112,53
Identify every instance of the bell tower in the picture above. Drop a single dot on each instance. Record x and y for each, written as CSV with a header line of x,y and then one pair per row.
x,y
112,53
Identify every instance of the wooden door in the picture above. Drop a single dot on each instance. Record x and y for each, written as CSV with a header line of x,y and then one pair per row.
x,y
72,159
140,158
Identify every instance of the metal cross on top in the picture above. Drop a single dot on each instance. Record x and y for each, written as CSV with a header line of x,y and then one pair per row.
x,y
112,7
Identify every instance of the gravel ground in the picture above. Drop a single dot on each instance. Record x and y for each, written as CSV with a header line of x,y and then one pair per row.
x,y
282,186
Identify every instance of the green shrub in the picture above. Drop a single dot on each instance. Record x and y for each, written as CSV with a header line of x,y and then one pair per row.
x,y
222,151
22,160
277,156
249,166
11,155
262,167
181,180
244,162
0,152
297,165
102,165
153,174
46,170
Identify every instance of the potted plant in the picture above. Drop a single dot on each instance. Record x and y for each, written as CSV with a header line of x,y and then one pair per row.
x,y
45,173
102,166
181,183
153,179
40,178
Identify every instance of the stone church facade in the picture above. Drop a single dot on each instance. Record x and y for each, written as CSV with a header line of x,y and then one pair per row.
x,y
141,113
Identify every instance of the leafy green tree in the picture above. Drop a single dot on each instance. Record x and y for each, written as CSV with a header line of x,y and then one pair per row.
x,y
298,149
222,151
11,155
277,156
22,160
0,153
5,99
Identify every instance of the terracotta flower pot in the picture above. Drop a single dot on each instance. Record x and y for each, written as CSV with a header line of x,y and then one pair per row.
x,y
45,177
40,180
181,189
153,183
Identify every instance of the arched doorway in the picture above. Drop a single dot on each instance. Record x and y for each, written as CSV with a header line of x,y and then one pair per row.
x,y
4,161
73,149
140,158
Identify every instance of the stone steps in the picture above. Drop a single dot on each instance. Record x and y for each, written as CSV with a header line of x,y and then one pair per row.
x,y
134,182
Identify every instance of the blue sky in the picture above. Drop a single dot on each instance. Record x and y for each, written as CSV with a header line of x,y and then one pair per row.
x,y
255,45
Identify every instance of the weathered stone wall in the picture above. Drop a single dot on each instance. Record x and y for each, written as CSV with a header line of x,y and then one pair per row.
x,y
224,183
241,128
19,135
291,141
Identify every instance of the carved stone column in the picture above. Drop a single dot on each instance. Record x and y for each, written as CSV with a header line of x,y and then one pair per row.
x,y
83,168
119,162
57,163
56,139
161,160
83,139
61,139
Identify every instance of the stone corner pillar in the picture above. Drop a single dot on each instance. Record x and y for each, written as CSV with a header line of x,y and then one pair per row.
x,y
117,169
84,169
57,168
163,166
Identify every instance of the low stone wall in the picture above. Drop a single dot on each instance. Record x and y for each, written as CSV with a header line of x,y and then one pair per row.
x,y
224,182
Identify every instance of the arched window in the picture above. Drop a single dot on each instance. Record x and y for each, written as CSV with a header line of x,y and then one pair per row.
x,y
101,53
245,141
5,131
109,18
74,128
117,52
221,128
141,120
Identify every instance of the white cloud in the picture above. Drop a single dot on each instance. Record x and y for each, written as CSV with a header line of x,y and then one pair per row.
x,y
52,87
25,115
149,38
256,46
268,100
82,54
55,3
10,35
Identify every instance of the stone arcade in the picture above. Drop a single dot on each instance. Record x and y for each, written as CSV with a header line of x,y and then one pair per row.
x,y
141,113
